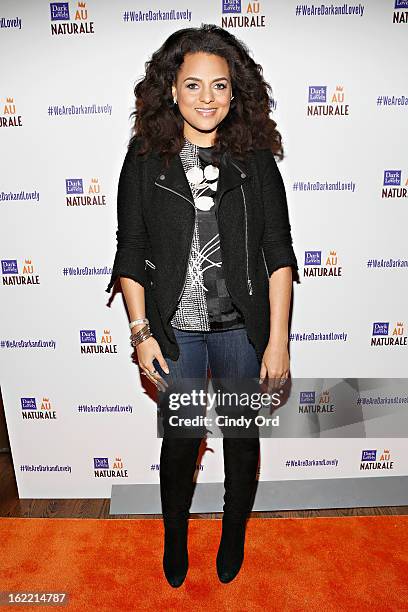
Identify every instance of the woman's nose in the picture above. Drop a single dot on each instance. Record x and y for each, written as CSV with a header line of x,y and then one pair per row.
x,y
206,95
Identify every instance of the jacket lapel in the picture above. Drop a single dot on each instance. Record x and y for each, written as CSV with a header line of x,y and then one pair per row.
x,y
232,174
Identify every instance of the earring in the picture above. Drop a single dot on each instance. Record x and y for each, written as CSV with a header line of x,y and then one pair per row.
x,y
174,101
232,97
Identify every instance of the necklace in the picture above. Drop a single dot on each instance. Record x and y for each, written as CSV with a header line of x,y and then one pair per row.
x,y
201,180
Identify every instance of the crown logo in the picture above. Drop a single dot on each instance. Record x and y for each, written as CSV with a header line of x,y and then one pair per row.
x,y
45,404
27,261
120,458
324,397
10,100
334,253
81,4
106,331
339,87
400,325
386,450
94,180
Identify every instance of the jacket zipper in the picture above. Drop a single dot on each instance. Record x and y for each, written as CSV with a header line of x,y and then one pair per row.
x,y
176,192
249,283
266,267
188,257
149,263
191,240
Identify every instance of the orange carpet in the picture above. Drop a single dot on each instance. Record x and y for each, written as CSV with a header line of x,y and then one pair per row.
x,y
330,564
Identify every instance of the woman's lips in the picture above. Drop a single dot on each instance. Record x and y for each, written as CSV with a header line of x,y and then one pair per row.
x,y
206,112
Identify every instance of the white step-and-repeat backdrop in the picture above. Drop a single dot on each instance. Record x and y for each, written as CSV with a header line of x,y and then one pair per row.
x,y
79,419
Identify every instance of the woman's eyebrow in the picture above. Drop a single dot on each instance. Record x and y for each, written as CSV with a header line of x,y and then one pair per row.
x,y
198,79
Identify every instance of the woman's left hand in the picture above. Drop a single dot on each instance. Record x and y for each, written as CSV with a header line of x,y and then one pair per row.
x,y
275,364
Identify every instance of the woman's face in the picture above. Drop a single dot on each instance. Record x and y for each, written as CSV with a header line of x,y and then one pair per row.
x,y
203,93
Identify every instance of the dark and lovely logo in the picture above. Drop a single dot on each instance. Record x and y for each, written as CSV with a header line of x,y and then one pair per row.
x,y
318,103
90,344
11,275
308,404
61,22
381,335
102,469
313,264
10,117
392,187
369,460
30,410
78,195
400,12
233,17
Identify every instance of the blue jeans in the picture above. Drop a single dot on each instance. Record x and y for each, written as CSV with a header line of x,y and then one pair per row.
x,y
234,367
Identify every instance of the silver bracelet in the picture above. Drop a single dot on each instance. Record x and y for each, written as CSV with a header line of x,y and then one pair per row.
x,y
137,322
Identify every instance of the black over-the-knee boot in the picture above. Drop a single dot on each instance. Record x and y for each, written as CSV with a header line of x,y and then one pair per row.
x,y
178,460
241,456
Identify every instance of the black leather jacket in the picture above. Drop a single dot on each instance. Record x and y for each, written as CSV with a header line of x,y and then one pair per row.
x,y
156,213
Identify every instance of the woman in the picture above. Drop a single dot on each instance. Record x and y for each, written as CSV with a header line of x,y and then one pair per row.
x,y
205,259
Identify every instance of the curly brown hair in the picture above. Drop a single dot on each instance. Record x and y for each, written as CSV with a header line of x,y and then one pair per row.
x,y
158,123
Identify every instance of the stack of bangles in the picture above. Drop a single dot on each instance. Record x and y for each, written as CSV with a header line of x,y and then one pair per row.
x,y
142,334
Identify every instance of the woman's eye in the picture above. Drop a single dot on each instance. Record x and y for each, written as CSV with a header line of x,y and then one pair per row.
x,y
192,86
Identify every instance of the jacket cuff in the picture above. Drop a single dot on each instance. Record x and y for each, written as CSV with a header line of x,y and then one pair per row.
x,y
280,256
130,265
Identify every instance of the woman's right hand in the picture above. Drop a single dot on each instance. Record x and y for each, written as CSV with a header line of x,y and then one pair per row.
x,y
148,350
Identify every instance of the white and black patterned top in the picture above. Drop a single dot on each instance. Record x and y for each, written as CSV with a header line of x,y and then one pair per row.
x,y
205,303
